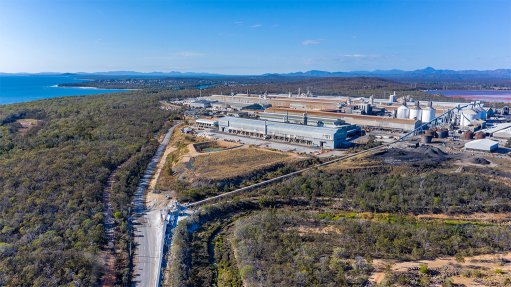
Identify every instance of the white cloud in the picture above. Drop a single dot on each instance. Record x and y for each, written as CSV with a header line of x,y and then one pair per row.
x,y
310,42
359,56
189,54
256,26
238,22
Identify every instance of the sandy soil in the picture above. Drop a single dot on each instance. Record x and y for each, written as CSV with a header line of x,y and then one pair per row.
x,y
486,262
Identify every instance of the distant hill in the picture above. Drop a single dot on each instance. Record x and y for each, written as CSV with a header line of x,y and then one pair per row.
x,y
426,73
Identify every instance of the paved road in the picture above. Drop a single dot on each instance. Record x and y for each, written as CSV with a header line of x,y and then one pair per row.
x,y
148,227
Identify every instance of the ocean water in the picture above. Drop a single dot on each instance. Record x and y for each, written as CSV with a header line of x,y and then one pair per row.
x,y
483,95
17,89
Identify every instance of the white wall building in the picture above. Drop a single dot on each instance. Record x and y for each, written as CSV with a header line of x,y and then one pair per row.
x,y
482,145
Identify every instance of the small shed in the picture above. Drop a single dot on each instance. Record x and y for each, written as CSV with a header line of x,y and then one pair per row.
x,y
482,145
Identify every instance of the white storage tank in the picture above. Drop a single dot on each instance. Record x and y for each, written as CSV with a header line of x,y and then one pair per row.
x,y
403,112
467,116
428,114
416,112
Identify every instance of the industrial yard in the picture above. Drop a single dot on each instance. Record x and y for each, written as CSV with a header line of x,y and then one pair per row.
x,y
310,143
325,123
351,161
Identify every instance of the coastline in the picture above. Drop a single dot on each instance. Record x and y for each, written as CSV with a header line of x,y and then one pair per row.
x,y
90,88
22,89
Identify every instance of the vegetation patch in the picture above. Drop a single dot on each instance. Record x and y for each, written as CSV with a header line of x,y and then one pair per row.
x,y
52,178
277,248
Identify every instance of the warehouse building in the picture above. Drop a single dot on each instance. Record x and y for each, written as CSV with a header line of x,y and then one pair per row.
x,y
200,104
503,134
482,145
353,119
321,137
206,123
311,120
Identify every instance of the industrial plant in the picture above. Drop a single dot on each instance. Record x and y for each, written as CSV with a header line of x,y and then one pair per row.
x,y
333,122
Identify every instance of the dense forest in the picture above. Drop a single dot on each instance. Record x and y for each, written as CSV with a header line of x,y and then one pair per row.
x,y
400,189
52,175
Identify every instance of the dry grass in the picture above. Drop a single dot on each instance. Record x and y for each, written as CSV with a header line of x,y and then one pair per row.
x,y
27,124
481,270
232,163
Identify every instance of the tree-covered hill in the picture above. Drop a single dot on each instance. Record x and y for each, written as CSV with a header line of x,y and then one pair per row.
x,y
52,174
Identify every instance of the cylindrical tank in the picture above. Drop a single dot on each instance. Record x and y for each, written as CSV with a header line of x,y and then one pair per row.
x,y
480,135
467,117
468,135
429,133
426,138
443,133
403,112
416,112
428,114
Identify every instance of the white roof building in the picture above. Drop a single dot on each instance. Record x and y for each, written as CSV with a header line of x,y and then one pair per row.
x,y
324,137
503,134
482,145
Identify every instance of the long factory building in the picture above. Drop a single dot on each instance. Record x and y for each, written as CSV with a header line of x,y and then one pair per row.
x,y
330,118
322,137
365,112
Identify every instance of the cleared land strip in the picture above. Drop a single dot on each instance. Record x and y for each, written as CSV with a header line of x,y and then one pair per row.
x,y
148,226
279,178
109,254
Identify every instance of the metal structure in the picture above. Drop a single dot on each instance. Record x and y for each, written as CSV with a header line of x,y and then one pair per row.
x,y
446,117
315,136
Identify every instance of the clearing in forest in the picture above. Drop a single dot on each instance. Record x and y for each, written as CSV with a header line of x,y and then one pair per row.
x,y
237,162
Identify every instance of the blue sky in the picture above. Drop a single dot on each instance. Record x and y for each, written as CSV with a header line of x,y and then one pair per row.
x,y
252,37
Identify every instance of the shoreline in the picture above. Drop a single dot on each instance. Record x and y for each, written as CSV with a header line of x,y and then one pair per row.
x,y
90,88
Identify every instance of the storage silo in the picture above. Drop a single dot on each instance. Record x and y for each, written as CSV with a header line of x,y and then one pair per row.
x,y
467,116
426,138
430,133
468,135
403,112
480,135
443,133
428,114
416,112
